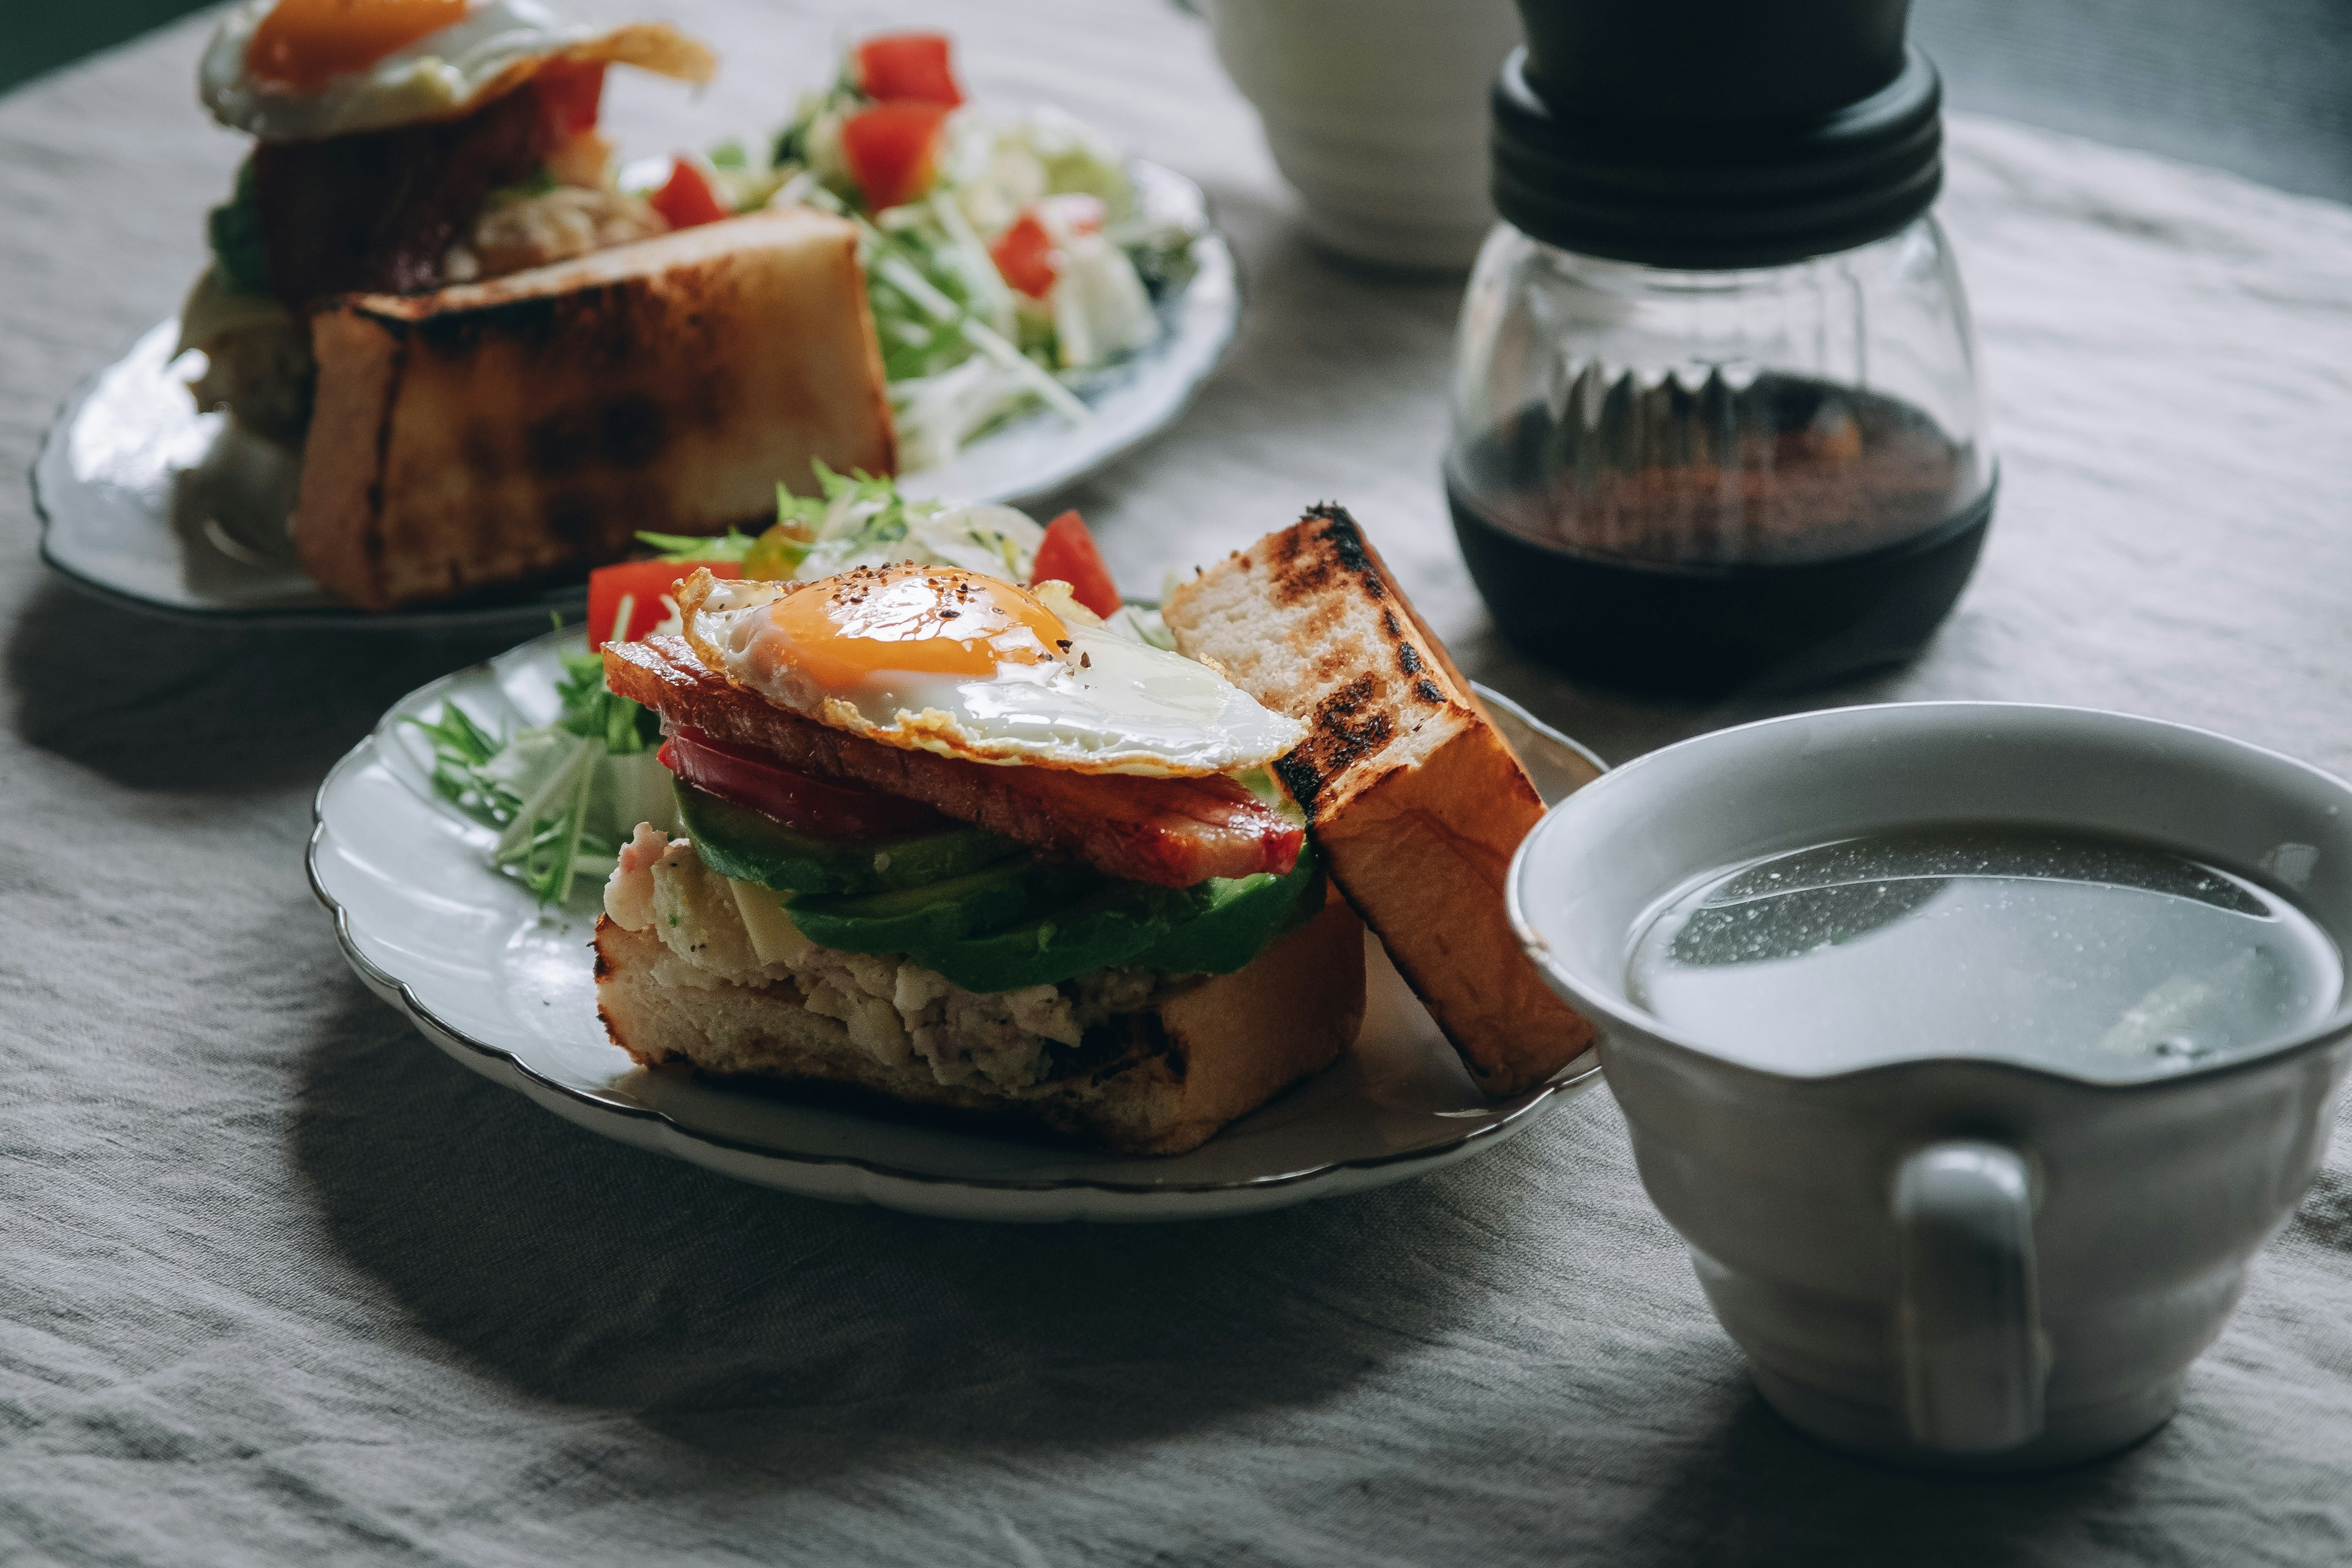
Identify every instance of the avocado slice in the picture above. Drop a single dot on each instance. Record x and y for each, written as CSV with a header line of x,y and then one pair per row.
x,y
1104,928
1213,928
1243,918
737,842
919,919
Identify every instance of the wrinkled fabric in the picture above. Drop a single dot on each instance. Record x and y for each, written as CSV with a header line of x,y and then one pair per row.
x,y
280,1283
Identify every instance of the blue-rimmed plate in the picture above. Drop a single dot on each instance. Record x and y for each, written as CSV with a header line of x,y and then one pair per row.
x,y
508,989
150,503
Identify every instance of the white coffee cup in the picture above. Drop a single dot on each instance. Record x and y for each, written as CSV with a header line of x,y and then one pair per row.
x,y
1962,1260
1376,113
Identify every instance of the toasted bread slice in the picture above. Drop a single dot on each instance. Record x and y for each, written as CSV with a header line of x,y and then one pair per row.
x,y
1155,1082
499,432
1416,802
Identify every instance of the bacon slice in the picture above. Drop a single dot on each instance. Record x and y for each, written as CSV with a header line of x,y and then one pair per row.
x,y
1172,832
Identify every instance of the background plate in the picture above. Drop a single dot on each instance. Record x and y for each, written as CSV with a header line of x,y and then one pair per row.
x,y
506,988
163,508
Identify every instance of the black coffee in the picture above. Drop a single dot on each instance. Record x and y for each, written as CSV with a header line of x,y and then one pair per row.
x,y
1703,540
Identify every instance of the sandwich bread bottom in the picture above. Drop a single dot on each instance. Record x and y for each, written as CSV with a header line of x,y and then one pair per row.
x,y
1146,1064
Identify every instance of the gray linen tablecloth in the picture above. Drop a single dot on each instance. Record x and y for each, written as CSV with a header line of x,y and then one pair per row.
x,y
280,1282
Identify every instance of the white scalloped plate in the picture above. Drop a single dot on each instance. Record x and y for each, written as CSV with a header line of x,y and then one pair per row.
x,y
150,503
506,988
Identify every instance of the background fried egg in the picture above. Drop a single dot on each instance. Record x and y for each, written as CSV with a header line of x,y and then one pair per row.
x,y
496,46
969,665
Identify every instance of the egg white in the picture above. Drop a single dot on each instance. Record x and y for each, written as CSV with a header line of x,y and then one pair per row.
x,y
440,75
1106,705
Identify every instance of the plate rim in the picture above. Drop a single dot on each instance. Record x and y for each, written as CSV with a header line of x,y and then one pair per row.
x,y
429,618
1581,1072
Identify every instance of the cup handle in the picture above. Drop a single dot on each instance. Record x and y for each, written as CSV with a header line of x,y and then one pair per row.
x,y
1968,1319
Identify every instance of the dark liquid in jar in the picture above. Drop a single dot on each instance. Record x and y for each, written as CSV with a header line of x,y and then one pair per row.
x,y
1701,542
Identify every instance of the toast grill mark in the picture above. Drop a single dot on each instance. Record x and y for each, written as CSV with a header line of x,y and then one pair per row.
x,y
594,325
1120,1045
1301,571
1349,725
572,521
372,537
1308,562
614,321
628,432
1346,542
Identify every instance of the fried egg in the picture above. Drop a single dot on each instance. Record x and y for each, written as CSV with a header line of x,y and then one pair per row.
x,y
969,665
300,70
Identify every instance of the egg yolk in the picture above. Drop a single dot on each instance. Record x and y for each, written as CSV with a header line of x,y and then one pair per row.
x,y
305,44
932,620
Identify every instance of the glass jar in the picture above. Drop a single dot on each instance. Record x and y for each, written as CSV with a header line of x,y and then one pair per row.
x,y
1697,483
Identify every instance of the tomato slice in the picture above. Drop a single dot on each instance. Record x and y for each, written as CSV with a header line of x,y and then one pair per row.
x,y
815,806
1067,551
642,585
1024,252
688,199
908,68
570,95
893,150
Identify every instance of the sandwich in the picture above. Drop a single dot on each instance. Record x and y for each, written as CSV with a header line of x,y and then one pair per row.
x,y
495,361
1416,802
964,845
1026,855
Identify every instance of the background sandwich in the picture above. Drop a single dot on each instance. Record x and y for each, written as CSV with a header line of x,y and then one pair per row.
x,y
497,363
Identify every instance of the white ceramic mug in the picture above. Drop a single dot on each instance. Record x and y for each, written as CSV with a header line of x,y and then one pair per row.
x,y
1961,1260
1376,113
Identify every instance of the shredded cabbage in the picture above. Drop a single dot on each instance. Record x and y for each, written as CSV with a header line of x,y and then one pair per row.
x,y
563,796
865,521
962,350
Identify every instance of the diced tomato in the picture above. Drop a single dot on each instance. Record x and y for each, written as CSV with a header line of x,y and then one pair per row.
x,y
1067,551
893,150
754,779
570,95
1025,255
908,68
688,199
642,583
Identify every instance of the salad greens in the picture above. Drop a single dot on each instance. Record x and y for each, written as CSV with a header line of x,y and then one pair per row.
x,y
235,230
565,797
861,521
865,521
965,346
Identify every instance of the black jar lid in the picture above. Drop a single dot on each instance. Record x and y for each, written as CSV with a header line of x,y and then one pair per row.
x,y
1713,134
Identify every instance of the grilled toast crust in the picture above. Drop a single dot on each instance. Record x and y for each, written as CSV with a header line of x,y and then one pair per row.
x,y
1417,803
502,432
